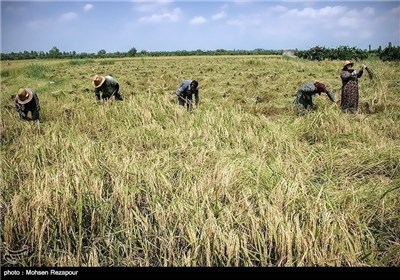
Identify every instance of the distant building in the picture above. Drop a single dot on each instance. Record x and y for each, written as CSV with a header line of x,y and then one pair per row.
x,y
289,53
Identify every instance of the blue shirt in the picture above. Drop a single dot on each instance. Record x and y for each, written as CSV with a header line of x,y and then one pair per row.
x,y
184,90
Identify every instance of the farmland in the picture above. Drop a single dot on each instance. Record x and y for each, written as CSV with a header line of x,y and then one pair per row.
x,y
239,181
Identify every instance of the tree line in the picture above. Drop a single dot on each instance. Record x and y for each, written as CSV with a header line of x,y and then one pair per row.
x,y
55,53
390,53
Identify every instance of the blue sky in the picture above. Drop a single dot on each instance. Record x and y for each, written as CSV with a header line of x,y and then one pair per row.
x,y
166,25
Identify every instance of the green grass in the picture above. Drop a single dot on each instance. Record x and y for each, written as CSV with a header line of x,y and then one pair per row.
x,y
107,62
37,71
240,181
75,62
5,73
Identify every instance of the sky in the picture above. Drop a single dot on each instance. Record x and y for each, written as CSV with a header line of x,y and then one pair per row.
x,y
167,25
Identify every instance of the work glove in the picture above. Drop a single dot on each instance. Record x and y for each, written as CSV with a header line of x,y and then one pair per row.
x,y
354,73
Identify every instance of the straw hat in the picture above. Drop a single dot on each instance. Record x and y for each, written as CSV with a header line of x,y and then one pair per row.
x,y
98,81
347,63
24,96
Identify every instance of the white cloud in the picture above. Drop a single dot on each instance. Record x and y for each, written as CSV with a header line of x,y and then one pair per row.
x,y
219,15
353,13
68,16
349,22
331,17
87,7
331,11
368,11
198,20
305,13
358,19
172,16
150,5
338,22
311,13
395,11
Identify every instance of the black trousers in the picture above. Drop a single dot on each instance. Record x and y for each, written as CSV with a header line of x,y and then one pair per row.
x,y
185,101
116,93
35,114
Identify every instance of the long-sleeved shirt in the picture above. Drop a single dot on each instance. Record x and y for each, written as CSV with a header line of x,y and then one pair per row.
x,y
108,88
184,91
32,106
350,96
305,93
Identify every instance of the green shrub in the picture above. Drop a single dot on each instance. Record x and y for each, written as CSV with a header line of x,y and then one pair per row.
x,y
5,73
107,62
81,61
390,54
37,71
340,53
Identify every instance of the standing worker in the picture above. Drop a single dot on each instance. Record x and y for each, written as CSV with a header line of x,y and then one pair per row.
x,y
350,96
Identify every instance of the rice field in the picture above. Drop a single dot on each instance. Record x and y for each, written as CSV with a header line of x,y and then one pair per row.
x,y
241,180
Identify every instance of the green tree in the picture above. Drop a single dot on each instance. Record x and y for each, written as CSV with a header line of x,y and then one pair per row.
x,y
54,53
132,52
390,53
101,52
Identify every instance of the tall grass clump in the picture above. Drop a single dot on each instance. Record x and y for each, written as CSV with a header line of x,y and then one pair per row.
x,y
107,62
5,73
37,71
74,62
